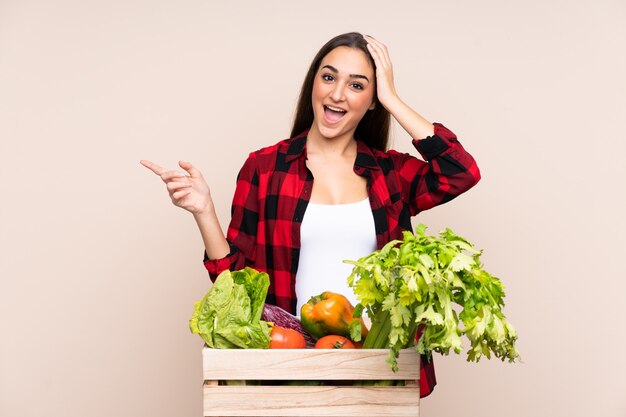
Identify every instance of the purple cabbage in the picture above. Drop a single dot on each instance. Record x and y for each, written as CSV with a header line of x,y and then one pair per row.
x,y
282,318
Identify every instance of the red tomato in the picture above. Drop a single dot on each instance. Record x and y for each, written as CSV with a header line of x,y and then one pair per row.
x,y
283,338
334,342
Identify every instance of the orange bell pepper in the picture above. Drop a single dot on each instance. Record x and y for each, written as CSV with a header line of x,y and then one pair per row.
x,y
329,313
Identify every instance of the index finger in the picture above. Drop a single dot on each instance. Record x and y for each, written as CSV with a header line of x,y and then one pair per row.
x,y
378,55
157,169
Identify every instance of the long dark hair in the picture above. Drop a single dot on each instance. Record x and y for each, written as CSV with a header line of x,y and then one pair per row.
x,y
373,129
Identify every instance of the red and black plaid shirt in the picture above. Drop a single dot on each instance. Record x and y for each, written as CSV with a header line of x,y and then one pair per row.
x,y
274,187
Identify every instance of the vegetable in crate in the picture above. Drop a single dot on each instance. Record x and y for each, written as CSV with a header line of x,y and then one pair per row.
x,y
416,281
331,313
283,338
229,315
332,341
282,318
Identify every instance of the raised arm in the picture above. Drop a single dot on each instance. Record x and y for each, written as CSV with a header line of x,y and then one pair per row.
x,y
449,169
416,125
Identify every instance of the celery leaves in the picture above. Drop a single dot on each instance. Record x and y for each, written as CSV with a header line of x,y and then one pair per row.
x,y
416,281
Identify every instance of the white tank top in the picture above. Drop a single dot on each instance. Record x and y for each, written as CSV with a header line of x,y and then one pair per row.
x,y
330,234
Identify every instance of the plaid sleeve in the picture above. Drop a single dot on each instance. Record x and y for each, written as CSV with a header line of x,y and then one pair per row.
x,y
242,230
449,171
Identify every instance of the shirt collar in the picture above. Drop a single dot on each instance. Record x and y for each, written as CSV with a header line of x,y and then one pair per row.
x,y
364,158
296,147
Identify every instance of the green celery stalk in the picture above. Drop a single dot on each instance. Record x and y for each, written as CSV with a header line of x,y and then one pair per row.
x,y
415,281
378,335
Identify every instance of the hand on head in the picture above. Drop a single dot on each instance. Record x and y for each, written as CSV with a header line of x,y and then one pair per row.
x,y
385,87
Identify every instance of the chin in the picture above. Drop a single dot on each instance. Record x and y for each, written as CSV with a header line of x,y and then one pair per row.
x,y
332,132
328,133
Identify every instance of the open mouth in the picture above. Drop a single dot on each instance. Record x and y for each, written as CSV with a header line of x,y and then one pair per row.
x,y
333,114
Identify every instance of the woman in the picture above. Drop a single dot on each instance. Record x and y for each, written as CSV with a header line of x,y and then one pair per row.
x,y
298,230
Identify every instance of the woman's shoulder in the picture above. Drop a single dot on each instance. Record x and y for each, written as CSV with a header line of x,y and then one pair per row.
x,y
283,150
281,146
380,155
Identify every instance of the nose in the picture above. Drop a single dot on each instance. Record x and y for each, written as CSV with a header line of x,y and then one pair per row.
x,y
337,93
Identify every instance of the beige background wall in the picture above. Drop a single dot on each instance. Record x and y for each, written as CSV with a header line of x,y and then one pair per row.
x,y
99,271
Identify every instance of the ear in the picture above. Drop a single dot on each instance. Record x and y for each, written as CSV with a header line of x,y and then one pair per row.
x,y
373,106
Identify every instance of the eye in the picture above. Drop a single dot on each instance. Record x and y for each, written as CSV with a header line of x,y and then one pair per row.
x,y
357,86
327,77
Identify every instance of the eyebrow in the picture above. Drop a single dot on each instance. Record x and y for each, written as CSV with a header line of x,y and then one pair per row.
x,y
335,70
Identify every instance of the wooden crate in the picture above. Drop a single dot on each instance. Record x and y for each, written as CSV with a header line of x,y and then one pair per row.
x,y
330,365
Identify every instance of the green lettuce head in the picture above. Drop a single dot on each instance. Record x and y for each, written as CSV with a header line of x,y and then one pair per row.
x,y
229,315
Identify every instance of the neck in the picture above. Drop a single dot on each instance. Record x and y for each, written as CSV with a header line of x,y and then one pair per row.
x,y
337,146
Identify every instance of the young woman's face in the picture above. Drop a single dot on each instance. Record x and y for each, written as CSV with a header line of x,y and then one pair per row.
x,y
343,91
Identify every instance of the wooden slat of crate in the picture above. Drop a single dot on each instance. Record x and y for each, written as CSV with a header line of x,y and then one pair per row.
x,y
307,364
315,401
